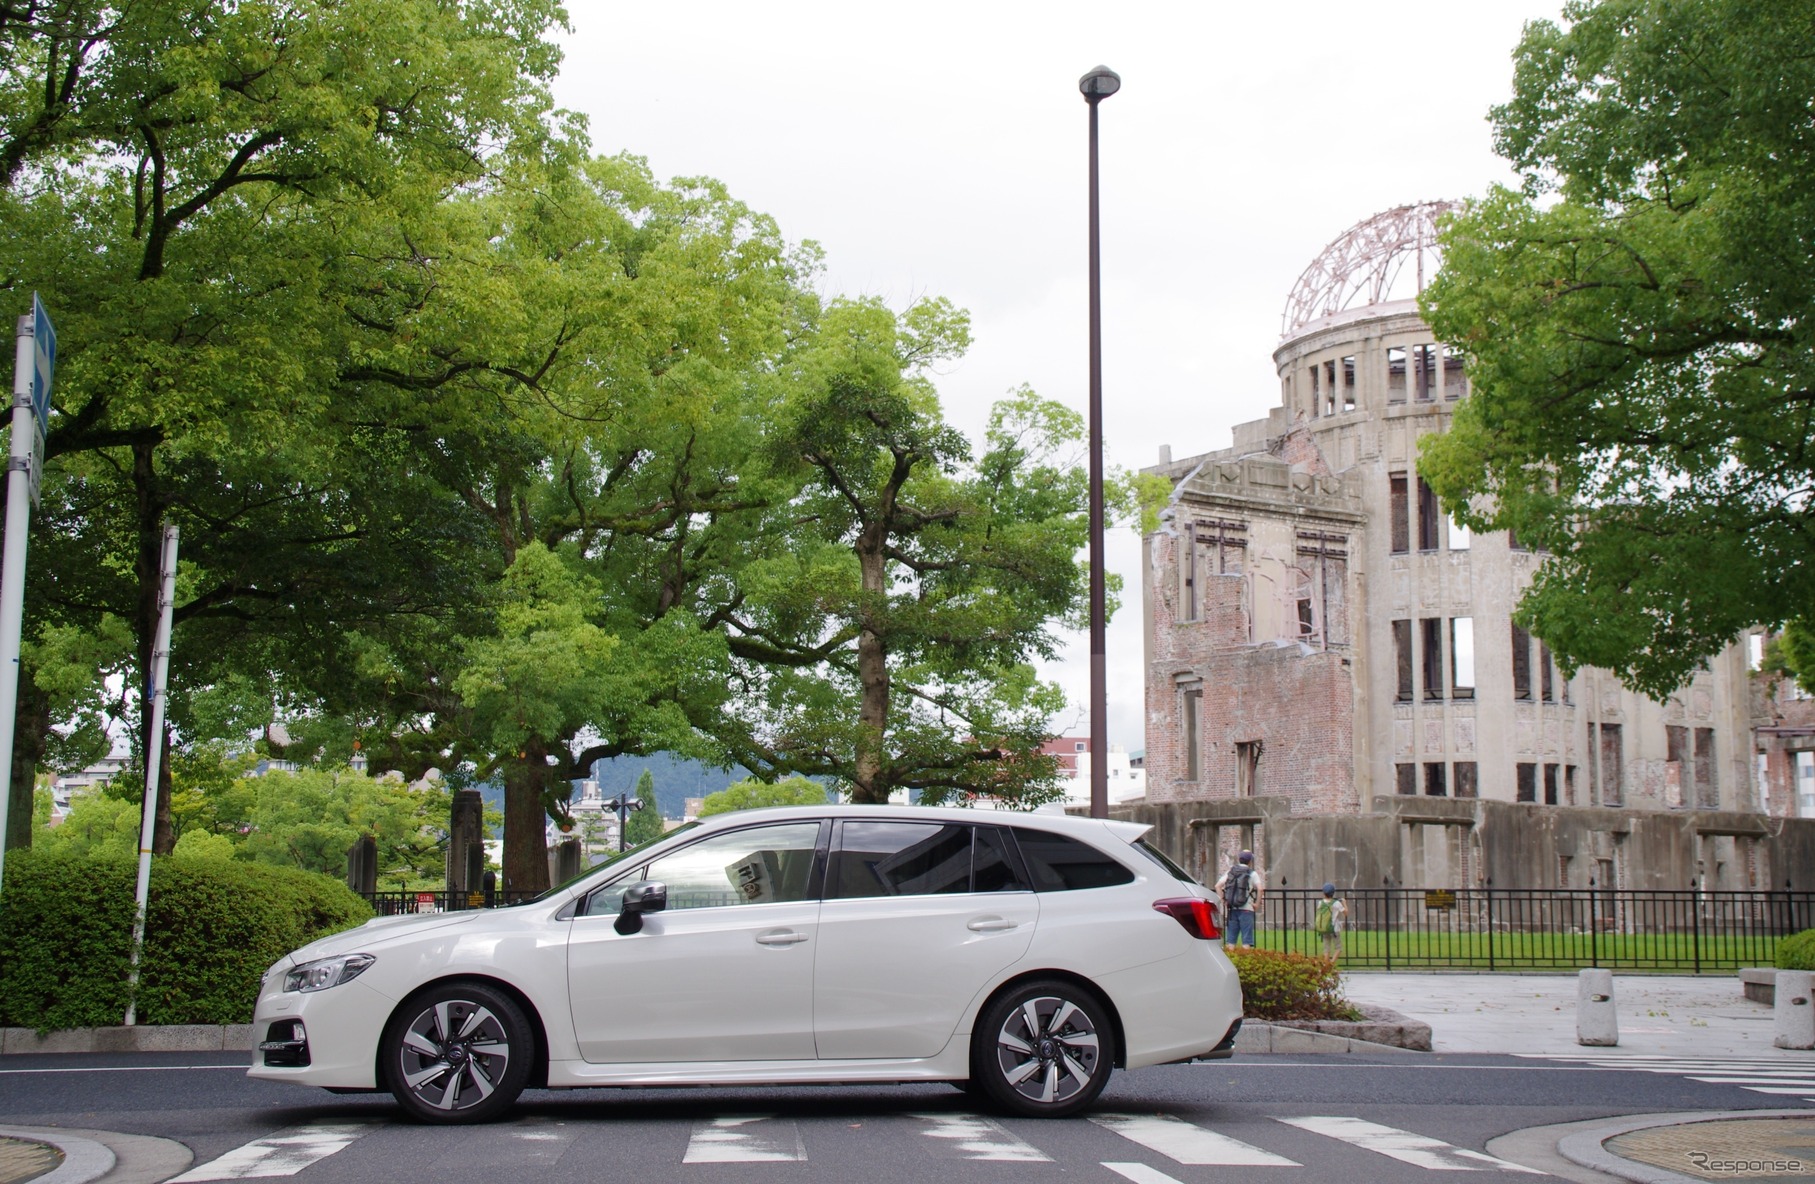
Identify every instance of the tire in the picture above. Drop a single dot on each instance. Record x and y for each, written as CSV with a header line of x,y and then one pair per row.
x,y
1043,1050
458,1052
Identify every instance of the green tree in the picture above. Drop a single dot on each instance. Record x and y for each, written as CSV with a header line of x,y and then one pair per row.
x,y
203,193
1636,325
751,794
645,824
891,640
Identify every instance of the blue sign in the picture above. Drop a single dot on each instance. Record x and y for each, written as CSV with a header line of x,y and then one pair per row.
x,y
44,357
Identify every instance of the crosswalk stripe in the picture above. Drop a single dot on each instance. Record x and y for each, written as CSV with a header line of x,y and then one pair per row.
x,y
738,1139
1140,1173
1418,1150
282,1154
977,1137
1188,1144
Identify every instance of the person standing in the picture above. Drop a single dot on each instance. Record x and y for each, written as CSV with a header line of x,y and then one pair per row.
x,y
1332,916
1241,887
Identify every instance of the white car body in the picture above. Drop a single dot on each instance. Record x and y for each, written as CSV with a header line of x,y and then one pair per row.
x,y
885,988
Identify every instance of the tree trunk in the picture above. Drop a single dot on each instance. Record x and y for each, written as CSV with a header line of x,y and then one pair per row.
x,y
31,723
868,787
526,821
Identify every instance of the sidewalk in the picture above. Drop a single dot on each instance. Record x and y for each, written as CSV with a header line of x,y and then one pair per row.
x,y
1659,1015
1705,1019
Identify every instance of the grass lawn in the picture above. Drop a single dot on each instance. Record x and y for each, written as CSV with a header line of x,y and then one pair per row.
x,y
1678,953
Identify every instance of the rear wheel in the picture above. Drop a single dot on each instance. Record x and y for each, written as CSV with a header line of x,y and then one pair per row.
x,y
459,1052
1043,1050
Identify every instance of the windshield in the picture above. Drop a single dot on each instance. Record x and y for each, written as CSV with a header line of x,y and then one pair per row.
x,y
617,860
1160,857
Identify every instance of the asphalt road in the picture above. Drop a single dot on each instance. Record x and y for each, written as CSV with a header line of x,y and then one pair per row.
x,y
1291,1119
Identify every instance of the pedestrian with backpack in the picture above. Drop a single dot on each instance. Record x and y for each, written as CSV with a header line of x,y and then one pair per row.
x,y
1241,887
1332,917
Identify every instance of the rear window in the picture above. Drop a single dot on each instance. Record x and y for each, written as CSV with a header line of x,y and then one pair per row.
x,y
1057,863
1160,857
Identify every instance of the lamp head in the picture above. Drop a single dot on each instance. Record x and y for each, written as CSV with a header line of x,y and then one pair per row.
x,y
1099,84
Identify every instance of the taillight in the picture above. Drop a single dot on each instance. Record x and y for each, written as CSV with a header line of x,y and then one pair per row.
x,y
1197,916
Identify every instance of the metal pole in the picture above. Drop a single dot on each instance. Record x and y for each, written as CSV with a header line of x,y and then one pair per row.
x,y
12,574
154,752
1098,85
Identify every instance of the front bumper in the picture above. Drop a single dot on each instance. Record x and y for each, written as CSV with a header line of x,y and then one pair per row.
x,y
326,1038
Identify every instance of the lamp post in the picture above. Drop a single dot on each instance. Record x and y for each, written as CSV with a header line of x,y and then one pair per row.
x,y
622,805
1096,86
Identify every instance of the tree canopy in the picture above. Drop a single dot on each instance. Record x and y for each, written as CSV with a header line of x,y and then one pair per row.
x,y
1636,324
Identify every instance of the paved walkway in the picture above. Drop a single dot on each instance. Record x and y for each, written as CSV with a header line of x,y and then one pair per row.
x,y
1659,1015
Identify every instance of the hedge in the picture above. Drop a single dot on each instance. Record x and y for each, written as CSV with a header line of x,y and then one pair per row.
x,y
1281,986
1797,951
212,928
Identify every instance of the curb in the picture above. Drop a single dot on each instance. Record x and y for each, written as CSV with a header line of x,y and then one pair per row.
x,y
1261,1038
142,1038
1585,1147
1277,1040
83,1159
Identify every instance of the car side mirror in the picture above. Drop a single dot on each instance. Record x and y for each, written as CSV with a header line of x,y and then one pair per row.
x,y
651,896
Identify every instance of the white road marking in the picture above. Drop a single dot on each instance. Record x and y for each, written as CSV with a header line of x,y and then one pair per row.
x,y
977,1137
283,1154
1179,1140
1140,1173
1418,1150
745,1138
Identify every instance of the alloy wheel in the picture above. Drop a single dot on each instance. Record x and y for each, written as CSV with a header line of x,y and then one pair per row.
x,y
454,1055
1048,1050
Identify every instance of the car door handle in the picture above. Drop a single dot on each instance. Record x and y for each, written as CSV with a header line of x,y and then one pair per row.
x,y
992,925
785,937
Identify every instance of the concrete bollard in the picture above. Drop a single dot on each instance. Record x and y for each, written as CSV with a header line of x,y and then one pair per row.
x,y
1597,1021
1794,1010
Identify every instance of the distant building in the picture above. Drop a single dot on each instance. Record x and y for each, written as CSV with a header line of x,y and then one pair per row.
x,y
1320,636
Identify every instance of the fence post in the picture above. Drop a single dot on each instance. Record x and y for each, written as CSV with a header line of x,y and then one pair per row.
x,y
1594,926
1387,924
1695,928
1490,927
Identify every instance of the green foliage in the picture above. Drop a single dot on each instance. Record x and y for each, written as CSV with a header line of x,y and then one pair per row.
x,y
753,794
1638,348
645,824
303,819
212,928
1282,986
1797,952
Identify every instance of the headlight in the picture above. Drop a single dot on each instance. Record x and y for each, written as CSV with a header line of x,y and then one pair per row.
x,y
326,972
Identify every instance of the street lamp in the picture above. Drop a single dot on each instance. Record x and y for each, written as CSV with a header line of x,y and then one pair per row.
x,y
1096,86
622,805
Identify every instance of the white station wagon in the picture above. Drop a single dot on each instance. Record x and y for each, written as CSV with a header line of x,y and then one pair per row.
x,y
1023,956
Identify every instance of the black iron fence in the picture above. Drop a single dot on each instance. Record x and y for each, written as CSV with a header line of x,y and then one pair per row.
x,y
397,902
1685,932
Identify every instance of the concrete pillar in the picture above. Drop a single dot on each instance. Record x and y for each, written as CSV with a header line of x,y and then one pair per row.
x,y
465,831
362,865
1597,1021
564,861
1794,1009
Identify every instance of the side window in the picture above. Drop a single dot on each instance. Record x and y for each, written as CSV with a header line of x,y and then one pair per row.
x,y
1058,863
901,859
761,865
992,870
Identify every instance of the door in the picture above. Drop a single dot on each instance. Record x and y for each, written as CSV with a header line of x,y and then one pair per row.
x,y
918,917
725,973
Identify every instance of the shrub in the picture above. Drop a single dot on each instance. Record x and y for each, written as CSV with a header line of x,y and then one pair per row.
x,y
1797,952
212,927
1282,986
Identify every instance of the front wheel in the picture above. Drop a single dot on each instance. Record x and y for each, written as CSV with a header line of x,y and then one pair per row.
x,y
459,1052
1043,1050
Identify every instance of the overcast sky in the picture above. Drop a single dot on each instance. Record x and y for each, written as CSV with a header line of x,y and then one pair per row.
x,y
938,149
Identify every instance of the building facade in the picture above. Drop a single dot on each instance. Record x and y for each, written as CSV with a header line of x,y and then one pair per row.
x,y
1320,635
